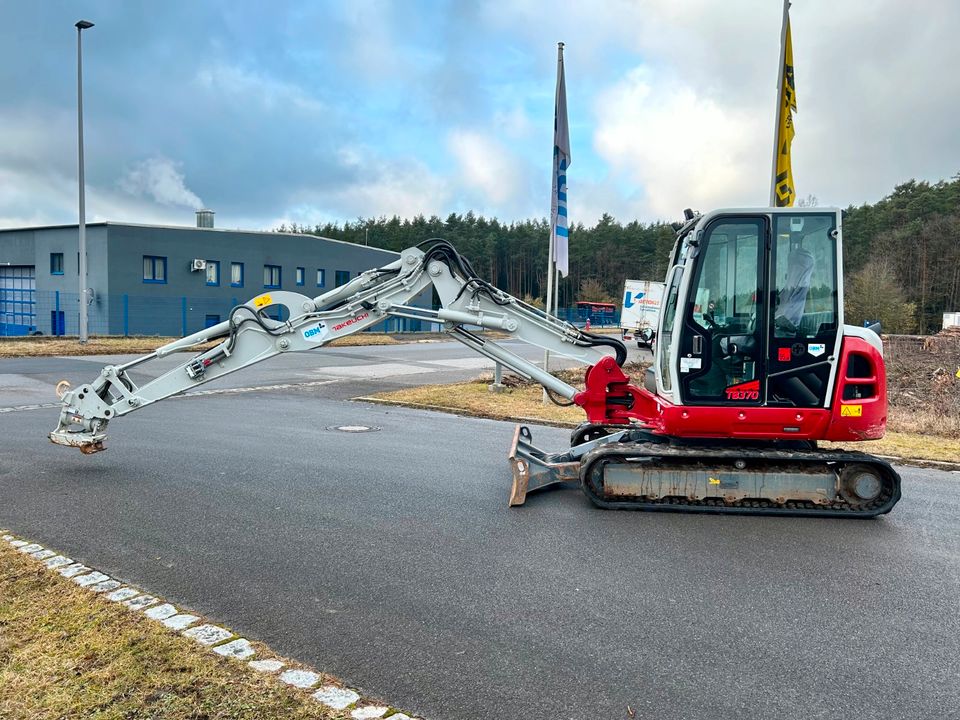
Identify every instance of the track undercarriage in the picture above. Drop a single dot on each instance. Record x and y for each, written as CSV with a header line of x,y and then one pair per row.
x,y
624,468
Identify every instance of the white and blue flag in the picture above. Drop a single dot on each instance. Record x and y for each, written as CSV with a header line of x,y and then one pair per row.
x,y
559,234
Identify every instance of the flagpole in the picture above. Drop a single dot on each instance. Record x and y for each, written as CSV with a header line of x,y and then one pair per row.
x,y
556,291
550,273
551,263
776,115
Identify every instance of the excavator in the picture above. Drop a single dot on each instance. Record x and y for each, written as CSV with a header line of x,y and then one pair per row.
x,y
753,366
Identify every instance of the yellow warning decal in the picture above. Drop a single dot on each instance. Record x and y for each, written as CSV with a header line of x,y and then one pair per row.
x,y
713,481
958,372
851,410
262,301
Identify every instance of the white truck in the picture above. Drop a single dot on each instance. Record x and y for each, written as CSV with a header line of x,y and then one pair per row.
x,y
641,311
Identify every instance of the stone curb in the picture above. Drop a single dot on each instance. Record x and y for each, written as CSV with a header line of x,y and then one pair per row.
x,y
217,639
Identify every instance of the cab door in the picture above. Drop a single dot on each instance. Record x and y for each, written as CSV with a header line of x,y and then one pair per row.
x,y
722,345
804,333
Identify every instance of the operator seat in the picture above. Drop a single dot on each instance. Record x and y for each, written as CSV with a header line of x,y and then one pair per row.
x,y
793,295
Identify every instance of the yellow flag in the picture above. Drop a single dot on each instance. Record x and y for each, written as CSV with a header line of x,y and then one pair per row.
x,y
783,180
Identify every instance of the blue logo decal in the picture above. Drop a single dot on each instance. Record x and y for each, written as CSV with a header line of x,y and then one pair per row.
x,y
311,332
631,301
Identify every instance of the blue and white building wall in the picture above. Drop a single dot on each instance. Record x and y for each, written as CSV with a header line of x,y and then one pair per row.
x,y
143,277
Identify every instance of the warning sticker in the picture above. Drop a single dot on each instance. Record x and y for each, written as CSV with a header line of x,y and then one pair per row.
x,y
688,364
713,481
816,349
262,301
851,410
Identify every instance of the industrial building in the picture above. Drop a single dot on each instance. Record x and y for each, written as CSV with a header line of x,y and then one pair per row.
x,y
160,280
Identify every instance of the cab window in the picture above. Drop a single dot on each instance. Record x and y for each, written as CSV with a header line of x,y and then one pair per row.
x,y
666,335
721,343
804,278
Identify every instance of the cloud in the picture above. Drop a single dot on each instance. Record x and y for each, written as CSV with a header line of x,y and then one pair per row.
x,y
514,122
38,178
331,111
487,170
677,147
379,186
159,178
241,85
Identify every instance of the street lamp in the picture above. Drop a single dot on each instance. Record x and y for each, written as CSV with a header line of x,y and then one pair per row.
x,y
81,26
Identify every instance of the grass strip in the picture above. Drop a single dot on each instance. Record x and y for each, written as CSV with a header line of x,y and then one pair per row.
x,y
525,403
66,652
47,347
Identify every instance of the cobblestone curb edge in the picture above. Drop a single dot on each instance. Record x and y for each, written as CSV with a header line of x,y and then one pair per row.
x,y
217,639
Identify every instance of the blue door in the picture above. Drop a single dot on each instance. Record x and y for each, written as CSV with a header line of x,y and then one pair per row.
x,y
17,300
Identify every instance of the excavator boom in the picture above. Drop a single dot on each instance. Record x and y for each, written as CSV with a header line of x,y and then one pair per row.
x,y
250,335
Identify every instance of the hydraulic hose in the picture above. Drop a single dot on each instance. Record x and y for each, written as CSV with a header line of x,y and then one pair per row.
x,y
615,343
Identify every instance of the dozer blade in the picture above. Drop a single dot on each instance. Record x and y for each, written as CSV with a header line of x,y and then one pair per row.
x,y
534,469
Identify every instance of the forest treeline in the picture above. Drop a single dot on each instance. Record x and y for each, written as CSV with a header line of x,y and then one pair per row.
x,y
901,254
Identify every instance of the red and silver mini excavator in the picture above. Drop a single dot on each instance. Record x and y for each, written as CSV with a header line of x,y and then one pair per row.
x,y
752,367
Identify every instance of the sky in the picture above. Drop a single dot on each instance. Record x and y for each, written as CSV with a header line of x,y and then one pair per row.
x,y
306,111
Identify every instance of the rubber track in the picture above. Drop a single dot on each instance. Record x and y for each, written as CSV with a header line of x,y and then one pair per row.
x,y
839,509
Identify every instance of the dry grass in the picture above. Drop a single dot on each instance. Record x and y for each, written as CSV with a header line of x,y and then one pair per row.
x,y
369,339
910,445
520,400
473,398
67,653
922,383
48,346
923,421
523,402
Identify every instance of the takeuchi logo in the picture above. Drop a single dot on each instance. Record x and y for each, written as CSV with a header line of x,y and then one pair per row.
x,y
744,391
351,321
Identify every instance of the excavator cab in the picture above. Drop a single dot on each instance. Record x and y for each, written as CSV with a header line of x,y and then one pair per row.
x,y
753,314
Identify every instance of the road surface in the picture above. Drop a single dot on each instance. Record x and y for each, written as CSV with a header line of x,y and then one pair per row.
x,y
391,560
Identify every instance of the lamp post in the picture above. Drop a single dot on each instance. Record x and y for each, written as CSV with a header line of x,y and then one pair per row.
x,y
81,26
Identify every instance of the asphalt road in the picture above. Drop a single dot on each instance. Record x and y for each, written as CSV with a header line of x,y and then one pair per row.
x,y
391,559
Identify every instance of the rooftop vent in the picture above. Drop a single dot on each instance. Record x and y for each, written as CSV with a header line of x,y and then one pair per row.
x,y
205,218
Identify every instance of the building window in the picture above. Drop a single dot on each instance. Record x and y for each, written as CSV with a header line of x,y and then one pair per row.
x,y
301,274
236,274
154,269
213,272
271,277
56,263
321,277
343,277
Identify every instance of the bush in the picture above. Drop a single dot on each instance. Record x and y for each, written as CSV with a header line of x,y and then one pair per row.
x,y
874,294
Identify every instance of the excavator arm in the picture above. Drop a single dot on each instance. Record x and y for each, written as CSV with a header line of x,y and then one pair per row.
x,y
251,334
